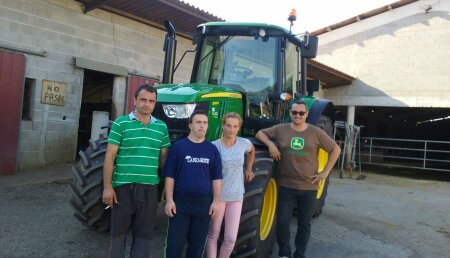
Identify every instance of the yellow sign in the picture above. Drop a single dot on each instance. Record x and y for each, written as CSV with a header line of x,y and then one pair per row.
x,y
53,93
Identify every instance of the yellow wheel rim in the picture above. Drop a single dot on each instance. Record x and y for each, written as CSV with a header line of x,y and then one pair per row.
x,y
268,209
322,160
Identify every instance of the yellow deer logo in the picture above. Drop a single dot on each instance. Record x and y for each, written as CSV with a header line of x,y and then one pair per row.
x,y
297,143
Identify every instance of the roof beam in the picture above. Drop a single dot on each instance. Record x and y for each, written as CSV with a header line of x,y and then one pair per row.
x,y
94,5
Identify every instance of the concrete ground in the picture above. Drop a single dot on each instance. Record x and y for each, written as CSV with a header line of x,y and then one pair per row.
x,y
54,173
381,216
384,216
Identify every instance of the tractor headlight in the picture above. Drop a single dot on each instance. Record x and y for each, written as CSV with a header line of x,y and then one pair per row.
x,y
178,110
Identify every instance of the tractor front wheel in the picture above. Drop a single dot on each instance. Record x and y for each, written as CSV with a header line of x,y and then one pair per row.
x,y
87,187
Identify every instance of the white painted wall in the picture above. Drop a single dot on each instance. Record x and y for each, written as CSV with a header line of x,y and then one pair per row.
x,y
400,58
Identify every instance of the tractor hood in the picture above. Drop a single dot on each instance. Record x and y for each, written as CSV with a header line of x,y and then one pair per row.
x,y
176,102
188,93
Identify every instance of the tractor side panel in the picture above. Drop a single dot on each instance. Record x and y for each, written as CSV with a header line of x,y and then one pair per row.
x,y
218,108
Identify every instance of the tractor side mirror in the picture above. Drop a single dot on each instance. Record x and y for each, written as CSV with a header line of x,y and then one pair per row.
x,y
308,48
311,87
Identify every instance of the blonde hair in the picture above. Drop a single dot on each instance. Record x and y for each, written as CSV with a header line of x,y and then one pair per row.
x,y
232,115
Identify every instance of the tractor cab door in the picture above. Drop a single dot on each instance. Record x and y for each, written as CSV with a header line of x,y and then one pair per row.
x,y
268,108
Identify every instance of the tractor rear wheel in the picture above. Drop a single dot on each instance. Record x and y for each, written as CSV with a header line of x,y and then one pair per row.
x,y
256,236
325,124
87,187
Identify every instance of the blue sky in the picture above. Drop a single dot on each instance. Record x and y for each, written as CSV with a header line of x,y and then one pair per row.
x,y
311,14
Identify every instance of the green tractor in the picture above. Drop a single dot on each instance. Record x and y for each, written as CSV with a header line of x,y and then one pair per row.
x,y
253,69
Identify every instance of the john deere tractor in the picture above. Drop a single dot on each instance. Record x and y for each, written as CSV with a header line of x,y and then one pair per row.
x,y
254,69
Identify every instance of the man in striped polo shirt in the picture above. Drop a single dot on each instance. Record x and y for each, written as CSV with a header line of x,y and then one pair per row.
x,y
137,145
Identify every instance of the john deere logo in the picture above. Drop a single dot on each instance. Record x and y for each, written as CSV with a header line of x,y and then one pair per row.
x,y
297,143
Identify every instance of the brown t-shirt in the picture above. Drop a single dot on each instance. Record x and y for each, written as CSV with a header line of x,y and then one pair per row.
x,y
298,154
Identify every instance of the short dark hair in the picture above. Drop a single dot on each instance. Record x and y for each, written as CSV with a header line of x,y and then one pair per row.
x,y
197,112
300,102
145,87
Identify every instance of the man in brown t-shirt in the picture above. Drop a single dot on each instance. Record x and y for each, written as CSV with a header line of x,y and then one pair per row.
x,y
295,146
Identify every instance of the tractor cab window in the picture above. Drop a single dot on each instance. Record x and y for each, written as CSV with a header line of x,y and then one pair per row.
x,y
244,63
291,68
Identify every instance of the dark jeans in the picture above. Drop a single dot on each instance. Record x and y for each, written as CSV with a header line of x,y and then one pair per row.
x,y
288,199
191,224
136,210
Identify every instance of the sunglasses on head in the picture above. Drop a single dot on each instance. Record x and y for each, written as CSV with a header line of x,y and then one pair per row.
x,y
301,113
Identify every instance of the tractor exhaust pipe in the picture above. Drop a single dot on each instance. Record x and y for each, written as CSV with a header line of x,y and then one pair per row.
x,y
170,46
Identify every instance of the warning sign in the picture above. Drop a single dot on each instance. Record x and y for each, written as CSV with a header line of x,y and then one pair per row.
x,y
53,93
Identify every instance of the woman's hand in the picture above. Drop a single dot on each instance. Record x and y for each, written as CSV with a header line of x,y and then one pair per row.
x,y
249,175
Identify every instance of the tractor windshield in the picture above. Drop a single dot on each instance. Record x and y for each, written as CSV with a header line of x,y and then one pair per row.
x,y
242,63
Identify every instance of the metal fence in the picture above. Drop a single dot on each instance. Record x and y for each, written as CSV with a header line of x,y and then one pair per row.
x,y
409,153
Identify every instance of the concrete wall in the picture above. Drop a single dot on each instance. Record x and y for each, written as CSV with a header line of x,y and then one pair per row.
x,y
60,28
400,58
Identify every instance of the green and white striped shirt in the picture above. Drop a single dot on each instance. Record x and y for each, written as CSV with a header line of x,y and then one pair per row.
x,y
137,159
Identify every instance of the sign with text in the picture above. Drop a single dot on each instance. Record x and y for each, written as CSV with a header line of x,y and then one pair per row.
x,y
53,93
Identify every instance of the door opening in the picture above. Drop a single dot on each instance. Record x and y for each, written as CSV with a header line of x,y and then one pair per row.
x,y
97,96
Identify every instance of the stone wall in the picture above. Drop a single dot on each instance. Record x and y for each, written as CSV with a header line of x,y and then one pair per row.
x,y
63,31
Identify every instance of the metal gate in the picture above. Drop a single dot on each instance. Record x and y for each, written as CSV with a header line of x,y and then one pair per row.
x,y
408,153
12,69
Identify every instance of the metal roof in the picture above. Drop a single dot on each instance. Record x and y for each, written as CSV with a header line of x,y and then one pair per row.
x,y
328,76
363,16
185,18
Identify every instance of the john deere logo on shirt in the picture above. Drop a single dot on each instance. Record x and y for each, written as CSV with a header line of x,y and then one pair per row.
x,y
297,143
190,159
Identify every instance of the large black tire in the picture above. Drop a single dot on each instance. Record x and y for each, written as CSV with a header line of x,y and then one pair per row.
x,y
87,187
256,236
325,124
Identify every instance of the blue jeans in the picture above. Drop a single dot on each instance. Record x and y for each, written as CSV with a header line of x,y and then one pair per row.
x,y
288,199
136,210
190,224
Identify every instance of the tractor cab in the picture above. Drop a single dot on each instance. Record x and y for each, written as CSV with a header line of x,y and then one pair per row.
x,y
241,61
258,62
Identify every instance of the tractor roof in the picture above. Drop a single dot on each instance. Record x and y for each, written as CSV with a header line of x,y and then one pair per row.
x,y
243,29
